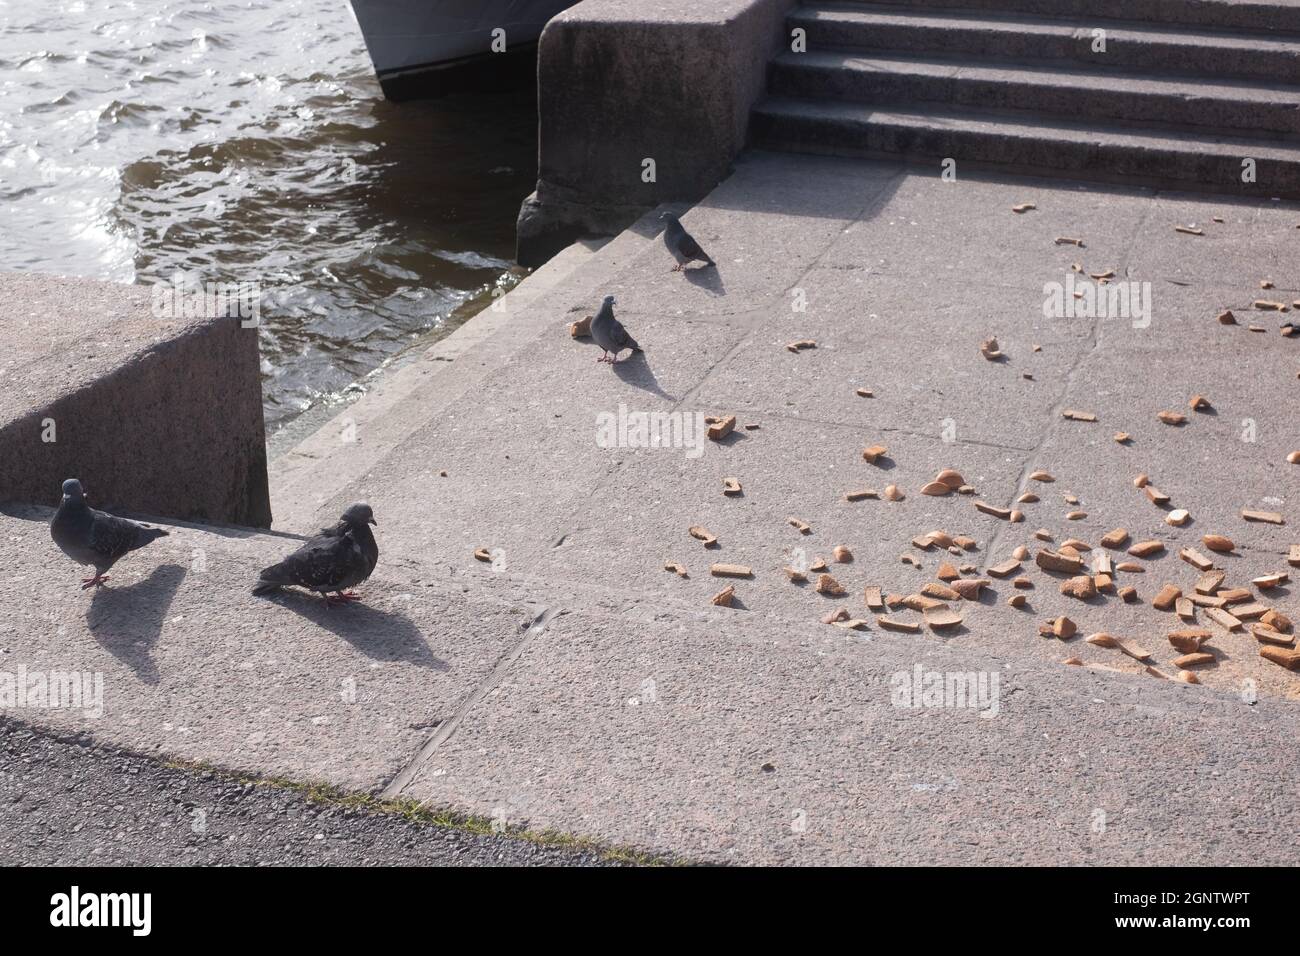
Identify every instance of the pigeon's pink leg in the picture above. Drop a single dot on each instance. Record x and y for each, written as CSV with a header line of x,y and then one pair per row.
x,y
342,597
96,582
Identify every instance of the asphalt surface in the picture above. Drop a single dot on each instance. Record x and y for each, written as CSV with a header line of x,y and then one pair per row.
x,y
67,802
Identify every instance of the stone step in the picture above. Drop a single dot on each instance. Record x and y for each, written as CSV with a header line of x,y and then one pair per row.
x,y
1251,109
1249,15
913,29
1016,143
307,480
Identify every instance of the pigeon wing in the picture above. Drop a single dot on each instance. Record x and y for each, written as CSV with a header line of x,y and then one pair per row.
x,y
618,335
327,562
111,536
690,248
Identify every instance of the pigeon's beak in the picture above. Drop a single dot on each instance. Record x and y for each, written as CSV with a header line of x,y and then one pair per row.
x,y
374,522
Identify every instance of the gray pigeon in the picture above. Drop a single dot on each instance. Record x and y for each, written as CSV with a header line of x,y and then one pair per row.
x,y
95,537
680,243
331,562
609,334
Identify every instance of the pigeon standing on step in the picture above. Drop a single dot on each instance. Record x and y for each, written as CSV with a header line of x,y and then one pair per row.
x,y
609,334
95,538
333,562
680,243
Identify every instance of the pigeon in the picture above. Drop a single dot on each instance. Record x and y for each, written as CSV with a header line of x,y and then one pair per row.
x,y
95,537
609,334
680,243
332,562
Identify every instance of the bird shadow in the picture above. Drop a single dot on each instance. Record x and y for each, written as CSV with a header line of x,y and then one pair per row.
x,y
126,621
380,635
956,630
733,437
636,371
708,278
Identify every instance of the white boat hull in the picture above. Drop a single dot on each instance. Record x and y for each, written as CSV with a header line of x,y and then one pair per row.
x,y
429,46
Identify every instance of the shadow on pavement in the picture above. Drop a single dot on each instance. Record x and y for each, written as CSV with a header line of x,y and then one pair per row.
x,y
708,278
636,371
381,635
126,621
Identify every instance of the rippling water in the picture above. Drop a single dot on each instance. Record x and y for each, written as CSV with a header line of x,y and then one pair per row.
x,y
249,142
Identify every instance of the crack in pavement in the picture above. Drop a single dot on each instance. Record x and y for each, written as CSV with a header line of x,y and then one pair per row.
x,y
448,727
1054,414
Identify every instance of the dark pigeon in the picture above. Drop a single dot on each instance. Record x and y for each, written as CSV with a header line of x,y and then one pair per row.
x,y
680,243
332,562
609,334
95,538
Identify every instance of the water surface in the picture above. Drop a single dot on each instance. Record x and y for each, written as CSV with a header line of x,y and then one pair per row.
x,y
249,142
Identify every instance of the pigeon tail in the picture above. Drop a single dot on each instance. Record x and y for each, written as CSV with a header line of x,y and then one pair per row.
x,y
272,578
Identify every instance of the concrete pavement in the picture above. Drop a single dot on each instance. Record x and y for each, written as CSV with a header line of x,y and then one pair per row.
x,y
571,682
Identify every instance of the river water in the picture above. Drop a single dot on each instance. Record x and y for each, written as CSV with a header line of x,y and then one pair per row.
x,y
249,142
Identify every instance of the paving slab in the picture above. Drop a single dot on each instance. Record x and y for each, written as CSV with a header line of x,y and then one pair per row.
x,y
764,230
957,238
788,468
868,328
537,455
750,746
1200,466
194,667
1255,241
